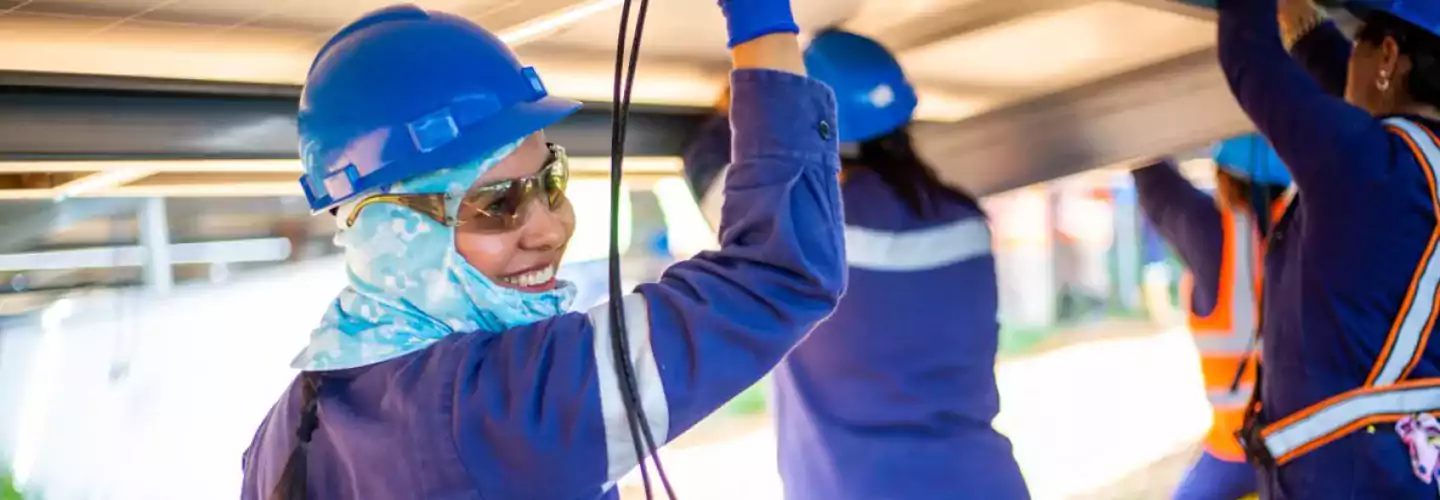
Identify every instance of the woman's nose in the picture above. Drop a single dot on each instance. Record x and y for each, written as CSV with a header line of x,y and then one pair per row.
x,y
544,229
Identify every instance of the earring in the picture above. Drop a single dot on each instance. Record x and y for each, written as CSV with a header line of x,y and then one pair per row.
x,y
1384,82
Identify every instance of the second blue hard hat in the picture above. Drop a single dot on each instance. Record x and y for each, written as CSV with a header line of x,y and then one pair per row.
x,y
1422,13
403,92
1250,157
873,97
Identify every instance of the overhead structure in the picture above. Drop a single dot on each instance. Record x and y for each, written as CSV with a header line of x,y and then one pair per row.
x,y
1174,106
106,103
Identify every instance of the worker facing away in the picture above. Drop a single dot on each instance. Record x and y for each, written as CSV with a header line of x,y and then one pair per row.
x,y
446,369
894,394
1348,377
1220,240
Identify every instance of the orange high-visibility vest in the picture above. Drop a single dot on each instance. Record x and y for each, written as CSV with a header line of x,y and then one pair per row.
x,y
1226,336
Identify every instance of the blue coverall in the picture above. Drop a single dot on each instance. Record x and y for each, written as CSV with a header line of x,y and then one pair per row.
x,y
1345,264
535,412
894,394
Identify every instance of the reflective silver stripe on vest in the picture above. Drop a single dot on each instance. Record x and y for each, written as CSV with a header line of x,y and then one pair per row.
x,y
1383,397
1224,399
1236,341
1234,344
917,250
1412,328
1336,416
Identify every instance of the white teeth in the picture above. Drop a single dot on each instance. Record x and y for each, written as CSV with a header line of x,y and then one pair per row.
x,y
532,278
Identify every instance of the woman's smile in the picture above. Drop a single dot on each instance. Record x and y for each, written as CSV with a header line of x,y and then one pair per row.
x,y
534,280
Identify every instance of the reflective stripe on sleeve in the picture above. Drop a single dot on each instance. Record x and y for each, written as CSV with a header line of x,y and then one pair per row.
x,y
619,445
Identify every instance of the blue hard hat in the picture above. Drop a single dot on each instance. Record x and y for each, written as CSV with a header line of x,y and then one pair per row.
x,y
1421,13
403,92
873,96
1250,157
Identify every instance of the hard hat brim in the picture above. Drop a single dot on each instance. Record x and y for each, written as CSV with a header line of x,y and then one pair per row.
x,y
475,141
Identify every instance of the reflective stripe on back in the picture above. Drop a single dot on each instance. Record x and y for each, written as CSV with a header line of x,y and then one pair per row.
x,y
917,250
1407,337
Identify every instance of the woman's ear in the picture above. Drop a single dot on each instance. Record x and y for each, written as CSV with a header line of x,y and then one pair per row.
x,y
1390,61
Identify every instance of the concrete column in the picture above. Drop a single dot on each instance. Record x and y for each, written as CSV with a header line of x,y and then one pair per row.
x,y
155,240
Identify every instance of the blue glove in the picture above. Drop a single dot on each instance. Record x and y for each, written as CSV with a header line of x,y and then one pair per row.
x,y
747,20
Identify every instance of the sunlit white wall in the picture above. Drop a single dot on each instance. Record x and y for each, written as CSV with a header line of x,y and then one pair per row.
x,y
206,364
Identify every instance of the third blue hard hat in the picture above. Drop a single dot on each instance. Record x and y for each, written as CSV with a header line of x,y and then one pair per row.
x,y
1424,14
403,92
872,94
1251,157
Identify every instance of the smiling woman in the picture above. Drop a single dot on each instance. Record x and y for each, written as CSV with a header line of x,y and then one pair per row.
x,y
523,195
448,367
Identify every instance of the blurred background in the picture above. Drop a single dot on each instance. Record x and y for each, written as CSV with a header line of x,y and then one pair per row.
x,y
159,267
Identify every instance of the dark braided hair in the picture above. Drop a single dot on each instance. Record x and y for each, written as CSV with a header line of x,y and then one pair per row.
x,y
893,158
1420,45
293,483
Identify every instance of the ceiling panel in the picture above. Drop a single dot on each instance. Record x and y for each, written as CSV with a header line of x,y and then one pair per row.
x,y
693,29
304,15
25,27
1053,51
112,9
221,13
880,15
264,41
274,41
316,15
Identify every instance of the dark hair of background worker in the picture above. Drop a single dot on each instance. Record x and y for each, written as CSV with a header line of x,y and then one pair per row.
x,y
904,171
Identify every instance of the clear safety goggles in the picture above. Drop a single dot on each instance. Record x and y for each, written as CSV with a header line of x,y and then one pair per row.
x,y
496,207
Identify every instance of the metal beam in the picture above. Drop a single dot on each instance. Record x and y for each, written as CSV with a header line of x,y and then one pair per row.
x,y
1162,109
76,125
113,84
252,250
26,223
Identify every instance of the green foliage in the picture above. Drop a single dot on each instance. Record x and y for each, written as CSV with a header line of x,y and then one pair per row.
x,y
750,402
8,490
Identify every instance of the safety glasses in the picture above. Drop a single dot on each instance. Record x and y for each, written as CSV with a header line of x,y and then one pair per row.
x,y
488,208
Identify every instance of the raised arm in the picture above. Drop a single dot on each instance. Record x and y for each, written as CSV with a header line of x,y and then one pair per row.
x,y
1329,145
1186,218
707,154
547,396
1316,44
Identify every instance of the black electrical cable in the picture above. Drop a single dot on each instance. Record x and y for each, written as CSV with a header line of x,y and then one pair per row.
x,y
641,436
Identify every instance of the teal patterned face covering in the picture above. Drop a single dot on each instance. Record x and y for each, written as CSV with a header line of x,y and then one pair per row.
x,y
409,287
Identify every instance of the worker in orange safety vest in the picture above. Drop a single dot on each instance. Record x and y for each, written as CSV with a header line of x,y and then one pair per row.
x,y
1221,241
